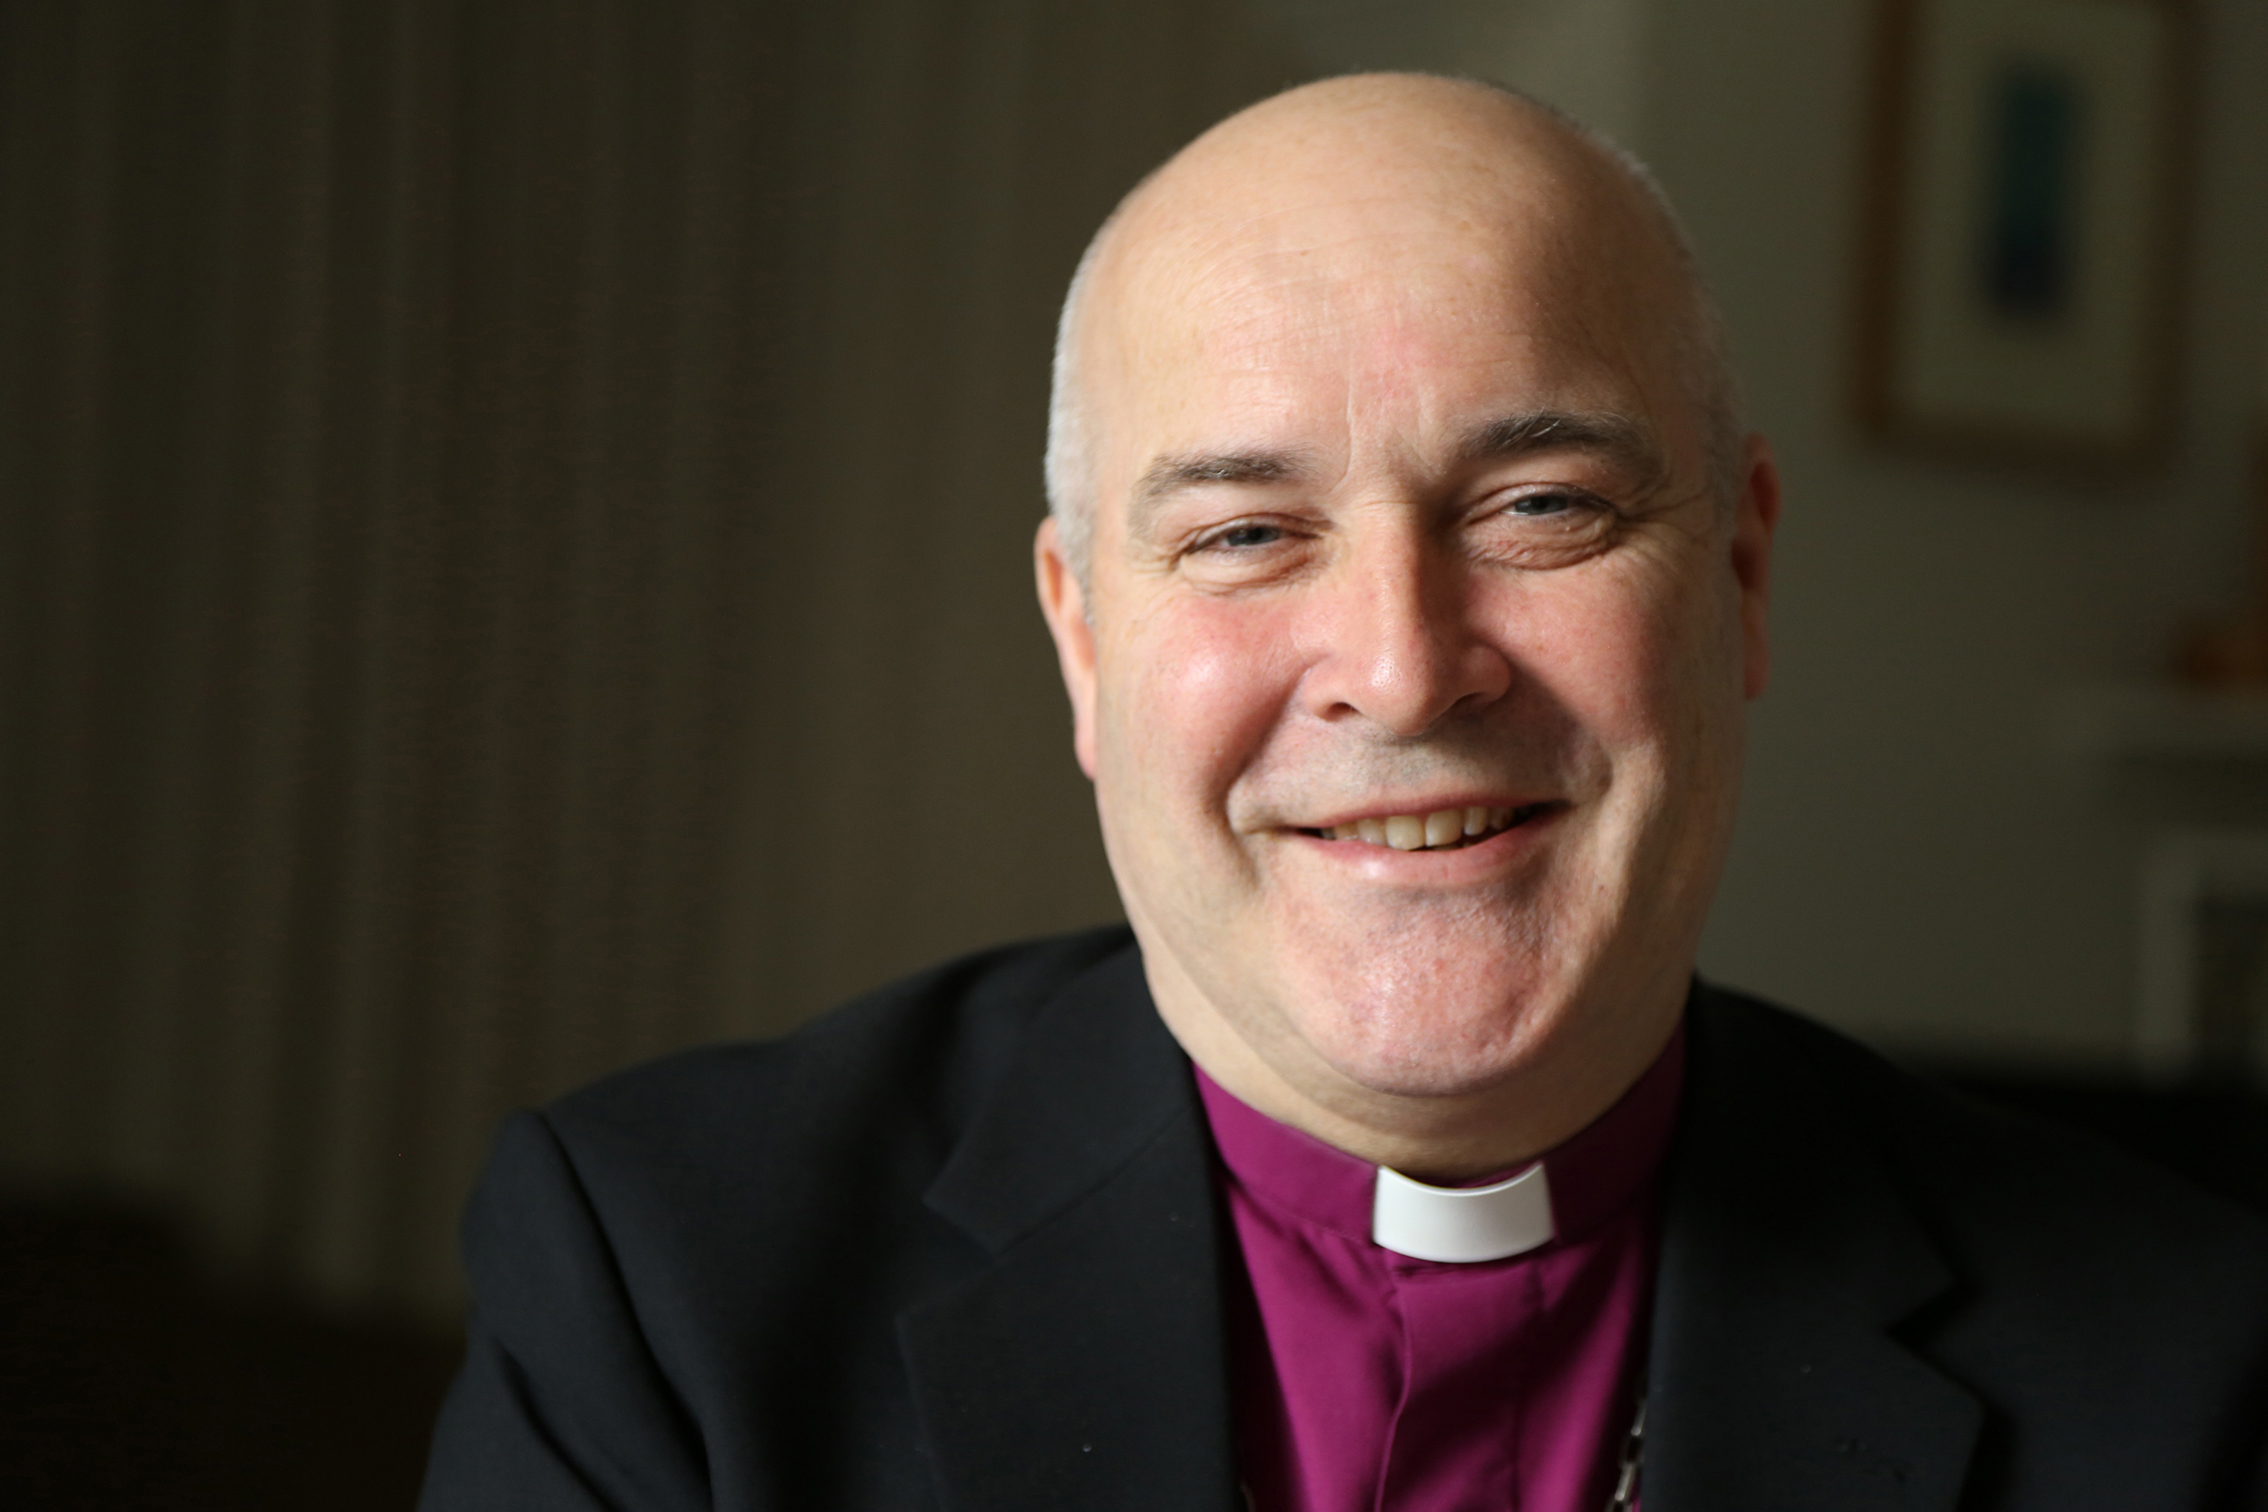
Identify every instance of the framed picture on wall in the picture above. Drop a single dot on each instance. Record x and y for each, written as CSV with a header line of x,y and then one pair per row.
x,y
2026,194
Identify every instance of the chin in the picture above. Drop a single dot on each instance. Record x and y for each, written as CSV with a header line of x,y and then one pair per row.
x,y
1424,1075
1448,1039
1436,999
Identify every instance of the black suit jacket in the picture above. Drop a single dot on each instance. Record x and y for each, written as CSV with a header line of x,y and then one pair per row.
x,y
958,1246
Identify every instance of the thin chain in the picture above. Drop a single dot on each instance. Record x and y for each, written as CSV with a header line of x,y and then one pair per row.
x,y
1625,1496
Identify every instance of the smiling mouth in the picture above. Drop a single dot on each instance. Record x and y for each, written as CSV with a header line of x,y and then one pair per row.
x,y
1442,829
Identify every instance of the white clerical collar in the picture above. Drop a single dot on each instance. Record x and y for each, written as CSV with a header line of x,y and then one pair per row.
x,y
1462,1224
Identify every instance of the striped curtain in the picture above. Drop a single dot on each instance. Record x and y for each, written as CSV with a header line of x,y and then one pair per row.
x,y
514,527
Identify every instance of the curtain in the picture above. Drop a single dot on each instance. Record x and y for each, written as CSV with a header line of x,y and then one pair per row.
x,y
514,557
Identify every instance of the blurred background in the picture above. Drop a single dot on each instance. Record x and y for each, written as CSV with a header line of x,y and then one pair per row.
x,y
514,531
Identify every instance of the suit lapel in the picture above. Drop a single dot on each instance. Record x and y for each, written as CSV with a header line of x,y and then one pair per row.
x,y
1788,1258
1083,1366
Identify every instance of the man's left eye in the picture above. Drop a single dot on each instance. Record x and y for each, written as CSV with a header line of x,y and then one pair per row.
x,y
1535,504
1246,537
1549,528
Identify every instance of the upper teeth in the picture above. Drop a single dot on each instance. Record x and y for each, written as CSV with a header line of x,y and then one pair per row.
x,y
1419,831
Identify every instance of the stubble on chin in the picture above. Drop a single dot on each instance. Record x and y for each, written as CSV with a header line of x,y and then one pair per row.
x,y
1431,1000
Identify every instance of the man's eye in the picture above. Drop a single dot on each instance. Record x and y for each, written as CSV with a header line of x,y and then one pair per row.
x,y
1246,537
1537,504
1547,529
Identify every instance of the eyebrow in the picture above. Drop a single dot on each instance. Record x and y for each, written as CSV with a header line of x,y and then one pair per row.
x,y
1620,439
1169,475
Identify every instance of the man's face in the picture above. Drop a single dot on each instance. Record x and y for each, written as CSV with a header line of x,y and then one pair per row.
x,y
1404,533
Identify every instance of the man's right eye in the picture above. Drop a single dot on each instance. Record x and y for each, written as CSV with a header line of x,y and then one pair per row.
x,y
1248,553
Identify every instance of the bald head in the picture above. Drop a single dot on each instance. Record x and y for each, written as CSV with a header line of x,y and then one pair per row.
x,y
1433,179
1406,611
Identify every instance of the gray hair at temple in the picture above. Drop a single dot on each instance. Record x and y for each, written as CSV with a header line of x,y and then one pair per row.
x,y
1701,355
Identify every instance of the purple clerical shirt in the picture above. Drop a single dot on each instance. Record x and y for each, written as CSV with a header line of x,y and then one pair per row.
x,y
1366,1381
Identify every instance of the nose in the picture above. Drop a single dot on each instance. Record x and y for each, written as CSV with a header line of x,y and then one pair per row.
x,y
1399,642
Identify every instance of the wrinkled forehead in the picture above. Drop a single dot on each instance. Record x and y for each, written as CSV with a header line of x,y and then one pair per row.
x,y
1231,305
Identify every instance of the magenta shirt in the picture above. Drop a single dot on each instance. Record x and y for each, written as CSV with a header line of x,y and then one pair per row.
x,y
1366,1380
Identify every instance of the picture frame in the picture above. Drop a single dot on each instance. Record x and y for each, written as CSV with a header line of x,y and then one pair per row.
x,y
2024,230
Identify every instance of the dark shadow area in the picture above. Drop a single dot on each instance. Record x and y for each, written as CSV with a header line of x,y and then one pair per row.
x,y
2216,1135
127,1381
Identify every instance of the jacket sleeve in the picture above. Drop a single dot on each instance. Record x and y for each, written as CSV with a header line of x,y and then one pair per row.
x,y
561,1405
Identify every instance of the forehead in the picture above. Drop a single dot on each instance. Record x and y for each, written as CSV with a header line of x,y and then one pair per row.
x,y
1375,306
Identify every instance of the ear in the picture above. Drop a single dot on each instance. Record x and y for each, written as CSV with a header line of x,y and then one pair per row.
x,y
1064,604
1754,521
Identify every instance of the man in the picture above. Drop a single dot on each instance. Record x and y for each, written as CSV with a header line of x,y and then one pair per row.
x,y
1408,569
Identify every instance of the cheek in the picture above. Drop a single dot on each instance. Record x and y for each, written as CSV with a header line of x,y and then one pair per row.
x,y
1633,654
1197,692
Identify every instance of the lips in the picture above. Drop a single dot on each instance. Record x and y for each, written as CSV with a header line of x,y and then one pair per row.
x,y
1437,829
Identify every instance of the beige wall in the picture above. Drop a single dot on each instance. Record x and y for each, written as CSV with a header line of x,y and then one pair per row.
x,y
1585,56
1917,859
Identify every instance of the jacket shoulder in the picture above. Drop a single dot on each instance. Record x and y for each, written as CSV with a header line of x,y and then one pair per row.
x,y
687,1274
1999,1170
923,1049
2107,1319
